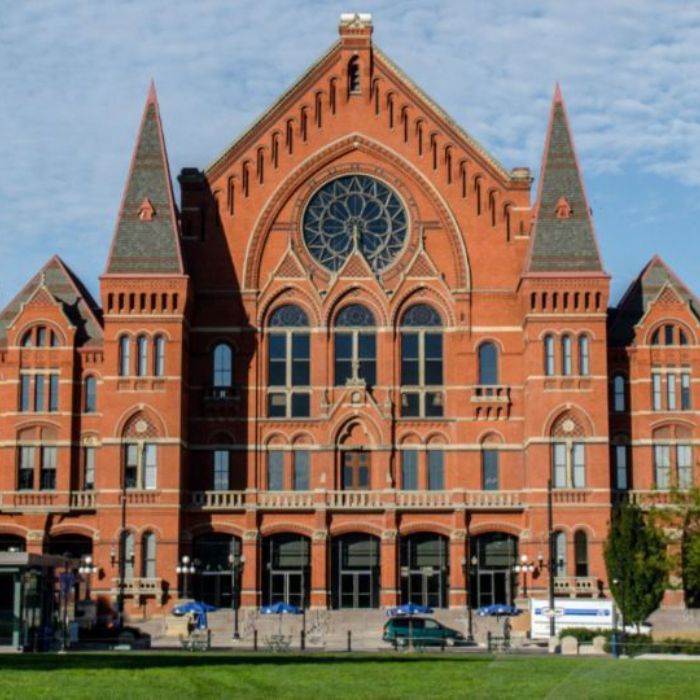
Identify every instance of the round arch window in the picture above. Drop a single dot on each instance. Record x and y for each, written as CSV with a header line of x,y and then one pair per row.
x,y
355,212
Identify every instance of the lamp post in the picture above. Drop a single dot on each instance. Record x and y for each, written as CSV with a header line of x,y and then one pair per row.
x,y
87,569
236,570
552,562
471,568
524,567
184,569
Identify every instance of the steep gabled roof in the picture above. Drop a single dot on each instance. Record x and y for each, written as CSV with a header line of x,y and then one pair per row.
x,y
381,60
563,238
68,291
641,294
146,235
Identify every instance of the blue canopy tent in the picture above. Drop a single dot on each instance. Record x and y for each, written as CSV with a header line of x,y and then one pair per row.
x,y
409,609
498,609
280,609
197,610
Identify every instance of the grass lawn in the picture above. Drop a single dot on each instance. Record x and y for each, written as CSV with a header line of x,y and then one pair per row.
x,y
171,676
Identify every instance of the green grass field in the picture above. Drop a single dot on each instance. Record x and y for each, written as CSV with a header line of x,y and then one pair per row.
x,y
171,676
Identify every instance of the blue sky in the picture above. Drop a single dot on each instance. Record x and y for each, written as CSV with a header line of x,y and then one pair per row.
x,y
74,75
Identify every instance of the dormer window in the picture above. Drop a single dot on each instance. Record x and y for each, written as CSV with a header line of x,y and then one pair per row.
x,y
563,209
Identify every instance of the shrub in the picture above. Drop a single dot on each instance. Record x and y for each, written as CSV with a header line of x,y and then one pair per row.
x,y
582,634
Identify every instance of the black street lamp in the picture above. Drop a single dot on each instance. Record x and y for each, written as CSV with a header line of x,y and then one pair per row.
x,y
524,567
184,569
236,564
87,569
470,567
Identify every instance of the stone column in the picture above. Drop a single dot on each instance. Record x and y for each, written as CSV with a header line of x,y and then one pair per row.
x,y
251,579
458,570
319,597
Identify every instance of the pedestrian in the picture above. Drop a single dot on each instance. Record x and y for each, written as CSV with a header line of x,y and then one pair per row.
x,y
506,632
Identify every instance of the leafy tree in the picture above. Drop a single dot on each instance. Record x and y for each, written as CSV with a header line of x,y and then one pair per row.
x,y
636,562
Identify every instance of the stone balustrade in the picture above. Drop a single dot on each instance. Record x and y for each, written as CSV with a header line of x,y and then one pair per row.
x,y
574,586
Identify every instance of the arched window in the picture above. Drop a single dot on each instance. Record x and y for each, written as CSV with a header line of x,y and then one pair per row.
x,y
222,370
142,356
620,451
275,470
90,394
436,469
289,364
41,336
148,555
581,553
568,453
549,367
354,84
126,554
159,356
655,336
222,470
124,356
566,360
140,465
421,362
489,470
355,344
619,394
409,468
583,355
488,364
560,549
27,339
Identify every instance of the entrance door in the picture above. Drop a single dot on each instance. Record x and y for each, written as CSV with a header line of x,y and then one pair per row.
x,y
8,605
356,590
215,589
492,580
494,588
356,470
424,588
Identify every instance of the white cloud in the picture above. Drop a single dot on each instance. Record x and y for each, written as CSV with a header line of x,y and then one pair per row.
x,y
73,76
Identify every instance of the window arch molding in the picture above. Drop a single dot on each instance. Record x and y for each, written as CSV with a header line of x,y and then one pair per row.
x,y
55,337
656,334
488,353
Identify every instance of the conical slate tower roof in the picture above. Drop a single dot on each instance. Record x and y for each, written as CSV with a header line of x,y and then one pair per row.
x,y
146,236
564,239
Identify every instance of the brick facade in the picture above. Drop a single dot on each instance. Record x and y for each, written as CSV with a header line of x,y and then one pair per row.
x,y
389,490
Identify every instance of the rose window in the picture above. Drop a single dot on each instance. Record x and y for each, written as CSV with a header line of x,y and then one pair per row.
x,y
355,212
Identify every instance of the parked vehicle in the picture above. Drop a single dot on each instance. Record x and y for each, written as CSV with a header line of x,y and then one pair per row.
x,y
420,631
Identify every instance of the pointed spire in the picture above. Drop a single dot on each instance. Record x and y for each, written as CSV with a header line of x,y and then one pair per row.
x,y
146,235
564,239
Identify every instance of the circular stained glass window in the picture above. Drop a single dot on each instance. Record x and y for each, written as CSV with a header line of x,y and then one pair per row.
x,y
355,212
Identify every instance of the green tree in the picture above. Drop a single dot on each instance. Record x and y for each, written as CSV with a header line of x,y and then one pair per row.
x,y
636,562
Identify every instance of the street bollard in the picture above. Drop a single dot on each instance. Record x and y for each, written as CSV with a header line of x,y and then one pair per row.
x,y
442,645
255,640
303,640
488,641
349,640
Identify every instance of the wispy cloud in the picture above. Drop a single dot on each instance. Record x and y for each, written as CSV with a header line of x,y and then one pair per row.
x,y
73,77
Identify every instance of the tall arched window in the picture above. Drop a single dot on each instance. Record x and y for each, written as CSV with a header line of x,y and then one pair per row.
x,y
355,345
289,364
148,555
421,362
159,356
549,368
142,356
354,84
127,554
581,553
583,355
619,398
566,359
222,370
560,549
488,364
90,404
569,466
124,356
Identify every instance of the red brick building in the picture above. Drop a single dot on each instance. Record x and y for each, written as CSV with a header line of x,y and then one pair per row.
x,y
342,371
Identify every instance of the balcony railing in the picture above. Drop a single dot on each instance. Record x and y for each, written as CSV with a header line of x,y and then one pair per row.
x,y
490,393
357,500
569,496
573,586
83,500
47,501
139,586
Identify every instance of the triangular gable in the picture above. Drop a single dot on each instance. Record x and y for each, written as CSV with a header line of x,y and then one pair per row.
x,y
382,64
289,267
146,238
57,281
563,237
655,282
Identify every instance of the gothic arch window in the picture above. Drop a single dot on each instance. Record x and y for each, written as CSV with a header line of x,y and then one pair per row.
x,y
568,453
354,82
673,457
422,390
566,356
148,555
355,213
355,345
581,553
141,356
90,394
124,356
140,453
289,363
37,459
584,362
159,356
222,370
488,364
549,364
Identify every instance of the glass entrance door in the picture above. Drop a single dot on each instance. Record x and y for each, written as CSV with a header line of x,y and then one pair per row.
x,y
286,563
355,571
493,588
492,578
356,590
423,588
424,570
215,588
